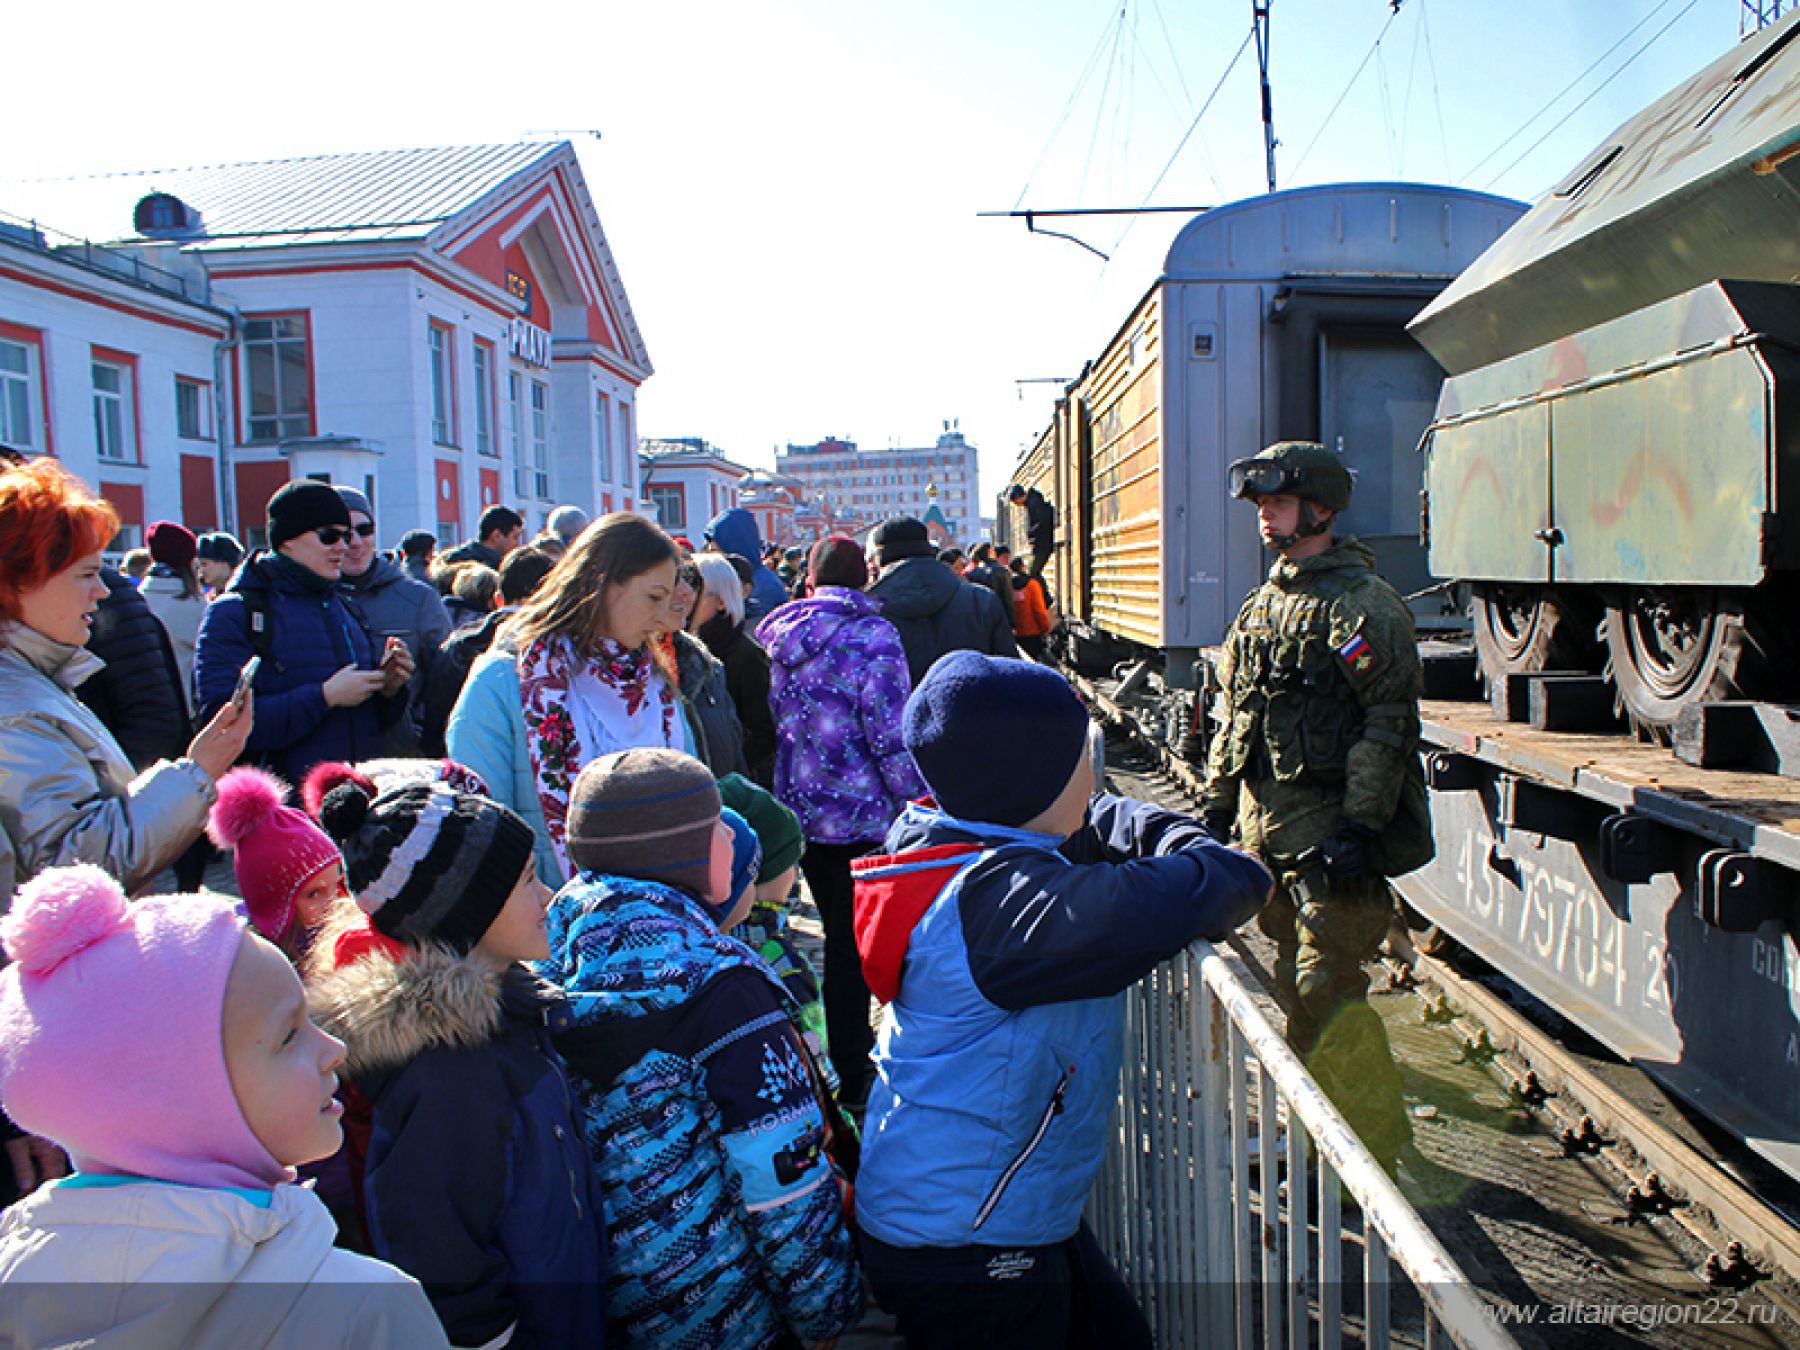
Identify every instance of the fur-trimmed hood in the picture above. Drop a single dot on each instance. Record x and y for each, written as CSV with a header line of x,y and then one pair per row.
x,y
389,1011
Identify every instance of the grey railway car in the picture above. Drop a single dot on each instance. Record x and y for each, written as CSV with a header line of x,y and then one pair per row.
x,y
1279,317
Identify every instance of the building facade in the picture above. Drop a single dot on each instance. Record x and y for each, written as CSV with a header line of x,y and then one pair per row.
x,y
687,482
861,488
445,329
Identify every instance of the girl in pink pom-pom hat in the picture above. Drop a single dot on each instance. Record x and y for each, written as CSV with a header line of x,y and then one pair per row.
x,y
289,871
167,1048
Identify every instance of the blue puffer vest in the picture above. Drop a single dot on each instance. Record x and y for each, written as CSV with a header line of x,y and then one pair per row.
x,y
985,1125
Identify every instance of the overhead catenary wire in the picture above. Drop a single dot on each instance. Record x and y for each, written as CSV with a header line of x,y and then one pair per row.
x,y
1436,99
1186,135
1624,66
1081,80
1562,93
1362,65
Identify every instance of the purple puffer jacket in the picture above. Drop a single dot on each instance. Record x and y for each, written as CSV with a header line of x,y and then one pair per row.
x,y
837,684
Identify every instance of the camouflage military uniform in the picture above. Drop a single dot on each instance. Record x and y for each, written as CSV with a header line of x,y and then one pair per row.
x,y
1320,675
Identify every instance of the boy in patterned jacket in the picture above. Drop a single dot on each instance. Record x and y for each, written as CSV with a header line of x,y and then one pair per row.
x,y
704,1115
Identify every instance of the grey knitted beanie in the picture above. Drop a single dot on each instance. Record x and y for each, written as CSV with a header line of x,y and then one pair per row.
x,y
645,813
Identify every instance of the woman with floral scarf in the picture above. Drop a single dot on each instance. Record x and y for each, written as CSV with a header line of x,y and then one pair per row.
x,y
574,675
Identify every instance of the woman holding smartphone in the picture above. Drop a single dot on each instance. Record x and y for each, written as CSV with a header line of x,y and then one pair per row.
x,y
324,691
68,793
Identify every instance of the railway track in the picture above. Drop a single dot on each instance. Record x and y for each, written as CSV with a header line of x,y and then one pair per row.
x,y
1577,1190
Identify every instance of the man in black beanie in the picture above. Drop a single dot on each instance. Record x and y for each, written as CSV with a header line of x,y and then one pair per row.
x,y
304,505
935,610
326,688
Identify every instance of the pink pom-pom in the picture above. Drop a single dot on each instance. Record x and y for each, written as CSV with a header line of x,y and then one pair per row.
x,y
325,777
59,913
247,798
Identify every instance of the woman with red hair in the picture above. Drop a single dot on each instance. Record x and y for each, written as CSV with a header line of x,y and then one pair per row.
x,y
68,793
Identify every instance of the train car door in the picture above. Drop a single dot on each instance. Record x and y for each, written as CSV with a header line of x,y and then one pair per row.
x,y
1377,389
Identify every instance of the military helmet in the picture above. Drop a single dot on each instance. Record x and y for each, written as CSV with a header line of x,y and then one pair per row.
x,y
1304,468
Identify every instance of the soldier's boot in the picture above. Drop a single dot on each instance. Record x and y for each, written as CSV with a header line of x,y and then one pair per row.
x,y
1355,1066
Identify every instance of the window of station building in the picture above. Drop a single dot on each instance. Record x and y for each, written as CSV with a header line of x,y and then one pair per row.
x,y
603,435
115,412
540,440
483,369
627,447
671,506
442,339
278,362
21,399
193,409
515,391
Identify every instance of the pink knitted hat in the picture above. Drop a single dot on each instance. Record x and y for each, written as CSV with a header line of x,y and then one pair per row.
x,y
111,1031
275,849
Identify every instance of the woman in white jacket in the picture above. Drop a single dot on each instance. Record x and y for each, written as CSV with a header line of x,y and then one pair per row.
x,y
175,594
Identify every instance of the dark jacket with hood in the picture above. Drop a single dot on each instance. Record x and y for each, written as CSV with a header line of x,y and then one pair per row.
x,y
397,606
937,611
718,734
473,551
1040,523
477,1182
138,696
1004,954
314,631
747,681
450,672
734,531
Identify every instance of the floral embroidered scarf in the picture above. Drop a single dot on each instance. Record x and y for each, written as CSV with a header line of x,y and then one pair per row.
x,y
576,709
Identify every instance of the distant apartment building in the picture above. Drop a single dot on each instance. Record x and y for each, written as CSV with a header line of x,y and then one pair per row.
x,y
861,488
444,329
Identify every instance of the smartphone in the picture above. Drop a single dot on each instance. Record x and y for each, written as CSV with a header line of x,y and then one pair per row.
x,y
246,678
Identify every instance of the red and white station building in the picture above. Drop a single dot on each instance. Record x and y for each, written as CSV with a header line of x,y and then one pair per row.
x,y
445,329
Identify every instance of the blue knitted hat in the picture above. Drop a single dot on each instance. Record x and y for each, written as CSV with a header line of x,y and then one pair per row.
x,y
746,858
996,740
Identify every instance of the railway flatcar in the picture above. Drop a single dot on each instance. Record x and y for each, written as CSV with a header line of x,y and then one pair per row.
x,y
1281,317
1617,448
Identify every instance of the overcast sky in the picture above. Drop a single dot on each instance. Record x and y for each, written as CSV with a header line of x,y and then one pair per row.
x,y
791,186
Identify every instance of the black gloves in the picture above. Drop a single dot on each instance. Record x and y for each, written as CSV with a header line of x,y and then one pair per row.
x,y
1219,824
1346,853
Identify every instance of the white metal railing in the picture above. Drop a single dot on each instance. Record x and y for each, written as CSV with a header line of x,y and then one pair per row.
x,y
1219,1256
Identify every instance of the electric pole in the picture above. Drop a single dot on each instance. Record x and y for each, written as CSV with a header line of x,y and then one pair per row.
x,y
1260,18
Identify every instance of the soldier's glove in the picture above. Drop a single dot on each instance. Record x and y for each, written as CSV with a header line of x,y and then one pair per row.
x,y
1219,823
1346,853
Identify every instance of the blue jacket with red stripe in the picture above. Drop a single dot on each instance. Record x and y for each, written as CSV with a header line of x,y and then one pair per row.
x,y
1003,955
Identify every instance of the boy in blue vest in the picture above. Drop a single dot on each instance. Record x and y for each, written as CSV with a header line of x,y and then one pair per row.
x,y
1007,917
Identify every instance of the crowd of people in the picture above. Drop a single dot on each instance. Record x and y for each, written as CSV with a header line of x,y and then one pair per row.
x,y
505,976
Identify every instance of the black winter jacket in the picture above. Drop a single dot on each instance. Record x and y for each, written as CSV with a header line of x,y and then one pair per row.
x,y
937,611
477,1180
450,672
139,694
747,681
1040,523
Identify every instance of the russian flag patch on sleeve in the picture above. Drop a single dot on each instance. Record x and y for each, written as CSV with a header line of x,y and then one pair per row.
x,y
1357,654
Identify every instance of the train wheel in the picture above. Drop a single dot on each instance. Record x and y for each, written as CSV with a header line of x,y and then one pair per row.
x,y
1523,629
1667,648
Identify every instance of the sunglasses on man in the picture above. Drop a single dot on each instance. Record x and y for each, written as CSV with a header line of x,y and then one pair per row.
x,y
333,535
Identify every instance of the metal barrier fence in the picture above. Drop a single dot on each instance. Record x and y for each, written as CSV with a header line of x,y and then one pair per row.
x,y
1221,1248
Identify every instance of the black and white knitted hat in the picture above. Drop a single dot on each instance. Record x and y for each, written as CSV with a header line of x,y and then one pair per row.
x,y
427,863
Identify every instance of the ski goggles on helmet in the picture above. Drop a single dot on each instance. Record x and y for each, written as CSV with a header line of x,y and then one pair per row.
x,y
1251,478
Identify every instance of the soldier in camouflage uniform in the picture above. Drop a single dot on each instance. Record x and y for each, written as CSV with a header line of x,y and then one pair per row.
x,y
1316,770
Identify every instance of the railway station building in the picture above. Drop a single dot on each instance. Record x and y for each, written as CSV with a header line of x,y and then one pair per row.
x,y
445,329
